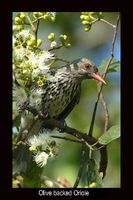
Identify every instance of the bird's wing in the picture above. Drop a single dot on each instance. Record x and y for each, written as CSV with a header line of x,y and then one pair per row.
x,y
70,106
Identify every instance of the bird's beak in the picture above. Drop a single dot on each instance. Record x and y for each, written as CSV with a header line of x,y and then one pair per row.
x,y
98,78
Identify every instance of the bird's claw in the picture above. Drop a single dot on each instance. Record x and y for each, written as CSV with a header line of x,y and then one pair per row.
x,y
44,114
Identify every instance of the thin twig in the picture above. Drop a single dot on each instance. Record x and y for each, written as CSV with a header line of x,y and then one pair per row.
x,y
113,45
29,20
36,29
55,47
105,72
106,112
39,18
94,112
106,22
103,151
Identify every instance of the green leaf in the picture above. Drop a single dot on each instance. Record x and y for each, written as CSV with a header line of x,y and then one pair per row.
x,y
112,70
114,66
93,174
110,135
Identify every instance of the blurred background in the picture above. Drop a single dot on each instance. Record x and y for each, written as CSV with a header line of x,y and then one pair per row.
x,y
96,45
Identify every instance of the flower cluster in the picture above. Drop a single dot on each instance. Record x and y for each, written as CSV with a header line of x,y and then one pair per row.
x,y
45,15
24,18
63,41
89,18
29,63
43,147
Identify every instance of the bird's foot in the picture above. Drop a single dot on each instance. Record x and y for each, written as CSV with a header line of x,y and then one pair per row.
x,y
43,115
46,114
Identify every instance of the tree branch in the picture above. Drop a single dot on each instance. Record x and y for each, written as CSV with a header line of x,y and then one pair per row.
x,y
41,119
36,29
78,134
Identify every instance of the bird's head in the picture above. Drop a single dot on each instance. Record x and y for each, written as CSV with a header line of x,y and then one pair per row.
x,y
86,69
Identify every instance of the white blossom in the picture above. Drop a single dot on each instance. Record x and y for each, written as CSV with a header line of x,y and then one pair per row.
x,y
19,95
38,140
24,34
38,63
41,159
39,60
30,54
19,52
46,56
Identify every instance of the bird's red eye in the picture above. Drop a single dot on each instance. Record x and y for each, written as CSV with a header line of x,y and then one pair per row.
x,y
87,66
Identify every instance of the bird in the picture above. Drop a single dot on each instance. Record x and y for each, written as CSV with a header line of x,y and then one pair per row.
x,y
56,98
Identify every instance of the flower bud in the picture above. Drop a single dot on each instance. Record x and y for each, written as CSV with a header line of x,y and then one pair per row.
x,y
17,20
